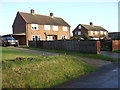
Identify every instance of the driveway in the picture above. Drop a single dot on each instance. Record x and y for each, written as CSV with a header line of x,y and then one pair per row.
x,y
105,77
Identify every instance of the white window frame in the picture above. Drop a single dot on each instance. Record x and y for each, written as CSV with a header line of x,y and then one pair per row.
x,y
79,32
33,36
34,26
105,33
79,27
46,27
55,28
65,28
96,32
91,32
101,32
64,37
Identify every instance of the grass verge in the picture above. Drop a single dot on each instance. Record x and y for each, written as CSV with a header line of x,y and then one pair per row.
x,y
95,56
117,51
41,71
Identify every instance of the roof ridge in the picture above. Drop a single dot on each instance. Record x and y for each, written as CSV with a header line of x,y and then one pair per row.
x,y
89,25
38,14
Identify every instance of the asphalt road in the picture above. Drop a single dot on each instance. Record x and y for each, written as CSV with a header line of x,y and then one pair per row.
x,y
105,77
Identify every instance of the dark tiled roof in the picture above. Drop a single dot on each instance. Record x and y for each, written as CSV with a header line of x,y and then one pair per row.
x,y
93,27
42,19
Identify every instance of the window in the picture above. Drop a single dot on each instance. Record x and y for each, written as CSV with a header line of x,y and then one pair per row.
x,y
96,32
64,28
101,32
46,27
79,27
105,33
34,26
64,37
91,32
79,32
55,28
35,37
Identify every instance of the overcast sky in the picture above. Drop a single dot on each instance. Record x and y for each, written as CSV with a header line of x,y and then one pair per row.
x,y
76,12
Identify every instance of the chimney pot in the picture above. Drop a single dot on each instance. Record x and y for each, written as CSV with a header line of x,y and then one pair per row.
x,y
51,14
32,11
91,23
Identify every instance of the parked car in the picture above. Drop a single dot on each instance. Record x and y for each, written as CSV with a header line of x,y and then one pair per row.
x,y
9,41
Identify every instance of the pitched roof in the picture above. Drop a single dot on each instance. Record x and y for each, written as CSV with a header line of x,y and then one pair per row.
x,y
42,19
93,27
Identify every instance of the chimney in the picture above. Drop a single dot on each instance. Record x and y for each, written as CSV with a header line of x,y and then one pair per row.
x,y
91,24
51,14
32,11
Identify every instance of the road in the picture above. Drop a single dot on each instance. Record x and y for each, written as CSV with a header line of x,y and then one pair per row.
x,y
105,77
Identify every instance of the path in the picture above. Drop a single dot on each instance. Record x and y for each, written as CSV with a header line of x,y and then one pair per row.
x,y
111,54
105,77
35,51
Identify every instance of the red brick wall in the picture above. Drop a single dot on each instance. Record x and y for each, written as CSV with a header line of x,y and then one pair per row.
x,y
98,47
115,45
19,25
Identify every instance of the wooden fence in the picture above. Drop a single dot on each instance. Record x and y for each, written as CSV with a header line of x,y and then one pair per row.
x,y
92,47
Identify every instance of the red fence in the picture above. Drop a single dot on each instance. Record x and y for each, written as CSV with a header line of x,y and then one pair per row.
x,y
115,45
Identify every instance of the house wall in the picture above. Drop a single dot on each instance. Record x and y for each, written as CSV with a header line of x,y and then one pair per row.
x,y
42,32
92,47
83,31
19,25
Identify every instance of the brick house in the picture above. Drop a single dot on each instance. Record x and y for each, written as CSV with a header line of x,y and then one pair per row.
x,y
31,26
95,32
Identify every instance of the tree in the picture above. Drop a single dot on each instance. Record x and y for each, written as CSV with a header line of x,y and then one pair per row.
x,y
86,37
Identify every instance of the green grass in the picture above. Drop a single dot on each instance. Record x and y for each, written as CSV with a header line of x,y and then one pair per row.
x,y
95,56
42,71
117,51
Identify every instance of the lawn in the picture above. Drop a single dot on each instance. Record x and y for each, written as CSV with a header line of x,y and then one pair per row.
x,y
95,56
37,71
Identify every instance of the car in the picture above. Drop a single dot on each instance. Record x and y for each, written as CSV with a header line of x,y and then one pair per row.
x,y
9,41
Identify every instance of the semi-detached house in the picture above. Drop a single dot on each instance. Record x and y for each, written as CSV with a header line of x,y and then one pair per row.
x,y
95,32
31,26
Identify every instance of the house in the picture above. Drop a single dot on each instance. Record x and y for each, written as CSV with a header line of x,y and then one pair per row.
x,y
31,26
95,32
114,35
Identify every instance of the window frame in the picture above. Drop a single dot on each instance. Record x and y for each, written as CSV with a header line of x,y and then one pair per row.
x,y
54,28
47,27
79,33
65,28
34,26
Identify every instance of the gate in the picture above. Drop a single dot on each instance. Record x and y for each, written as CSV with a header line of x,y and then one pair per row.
x,y
106,45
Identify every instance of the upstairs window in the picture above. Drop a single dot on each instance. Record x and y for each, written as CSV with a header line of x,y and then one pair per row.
x,y
105,33
55,28
92,32
65,28
79,32
101,32
96,32
79,27
46,27
34,26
